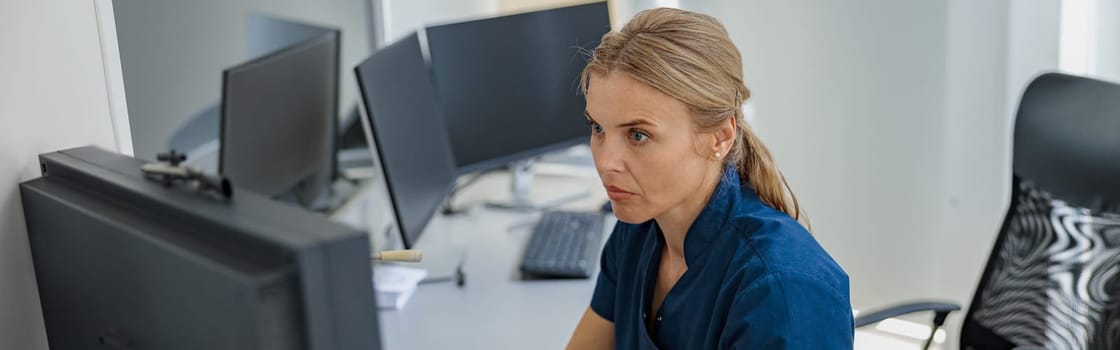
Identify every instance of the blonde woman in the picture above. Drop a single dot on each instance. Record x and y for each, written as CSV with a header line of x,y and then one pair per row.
x,y
710,251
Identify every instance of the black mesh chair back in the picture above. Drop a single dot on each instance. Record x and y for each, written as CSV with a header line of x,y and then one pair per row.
x,y
1053,278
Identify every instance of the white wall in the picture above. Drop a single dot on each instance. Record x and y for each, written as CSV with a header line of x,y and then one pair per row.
x,y
53,95
1032,44
1090,38
976,140
1108,40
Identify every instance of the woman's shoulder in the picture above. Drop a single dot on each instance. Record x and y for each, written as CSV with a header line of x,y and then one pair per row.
x,y
774,245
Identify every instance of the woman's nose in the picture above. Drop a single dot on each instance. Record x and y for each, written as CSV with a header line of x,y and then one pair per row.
x,y
608,155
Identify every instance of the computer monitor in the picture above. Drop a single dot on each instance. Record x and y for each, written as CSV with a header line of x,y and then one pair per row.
x,y
278,118
510,85
268,34
407,128
126,262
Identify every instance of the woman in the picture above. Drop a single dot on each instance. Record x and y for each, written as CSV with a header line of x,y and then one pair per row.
x,y
709,251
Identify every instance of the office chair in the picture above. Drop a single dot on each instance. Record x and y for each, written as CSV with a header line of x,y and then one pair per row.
x,y
1053,278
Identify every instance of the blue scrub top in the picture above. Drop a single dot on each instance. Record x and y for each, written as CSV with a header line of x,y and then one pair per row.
x,y
756,279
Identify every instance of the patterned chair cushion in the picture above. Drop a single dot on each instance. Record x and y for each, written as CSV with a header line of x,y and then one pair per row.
x,y
1054,281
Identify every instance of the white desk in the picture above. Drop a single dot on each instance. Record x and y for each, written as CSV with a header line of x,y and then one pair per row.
x,y
495,309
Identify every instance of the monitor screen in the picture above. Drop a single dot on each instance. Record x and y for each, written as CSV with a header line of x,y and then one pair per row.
x,y
510,85
408,131
278,117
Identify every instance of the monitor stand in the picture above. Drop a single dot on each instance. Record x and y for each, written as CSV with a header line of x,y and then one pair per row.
x,y
300,196
522,179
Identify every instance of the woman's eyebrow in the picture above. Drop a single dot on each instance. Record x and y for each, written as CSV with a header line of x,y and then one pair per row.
x,y
633,122
636,122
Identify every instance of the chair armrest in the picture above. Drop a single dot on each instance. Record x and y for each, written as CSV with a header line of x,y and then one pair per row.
x,y
941,308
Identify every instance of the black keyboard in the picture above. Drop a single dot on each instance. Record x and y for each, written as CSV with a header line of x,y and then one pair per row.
x,y
564,244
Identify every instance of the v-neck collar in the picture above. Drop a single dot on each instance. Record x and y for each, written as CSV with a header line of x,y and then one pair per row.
x,y
705,229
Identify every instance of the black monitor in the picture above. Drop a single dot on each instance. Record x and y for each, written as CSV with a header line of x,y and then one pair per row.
x,y
278,122
268,34
510,85
126,262
408,132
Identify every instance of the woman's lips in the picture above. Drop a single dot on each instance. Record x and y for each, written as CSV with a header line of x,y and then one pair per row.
x,y
618,194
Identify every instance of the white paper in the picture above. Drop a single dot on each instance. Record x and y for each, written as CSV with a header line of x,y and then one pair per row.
x,y
395,284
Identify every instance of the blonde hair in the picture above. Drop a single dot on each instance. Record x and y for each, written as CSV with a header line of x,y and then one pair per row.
x,y
690,57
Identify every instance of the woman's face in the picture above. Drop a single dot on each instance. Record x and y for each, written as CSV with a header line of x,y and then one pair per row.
x,y
649,155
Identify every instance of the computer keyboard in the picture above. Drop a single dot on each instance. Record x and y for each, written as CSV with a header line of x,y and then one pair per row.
x,y
564,244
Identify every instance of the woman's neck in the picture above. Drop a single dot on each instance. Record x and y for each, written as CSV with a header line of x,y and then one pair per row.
x,y
675,222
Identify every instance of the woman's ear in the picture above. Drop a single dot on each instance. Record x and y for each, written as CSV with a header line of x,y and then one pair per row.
x,y
724,136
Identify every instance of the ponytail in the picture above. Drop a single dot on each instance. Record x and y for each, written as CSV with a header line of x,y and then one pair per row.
x,y
757,168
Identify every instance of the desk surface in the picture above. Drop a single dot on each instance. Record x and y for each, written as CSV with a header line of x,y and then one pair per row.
x,y
496,309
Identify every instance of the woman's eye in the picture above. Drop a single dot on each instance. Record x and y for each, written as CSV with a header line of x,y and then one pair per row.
x,y
596,128
638,136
